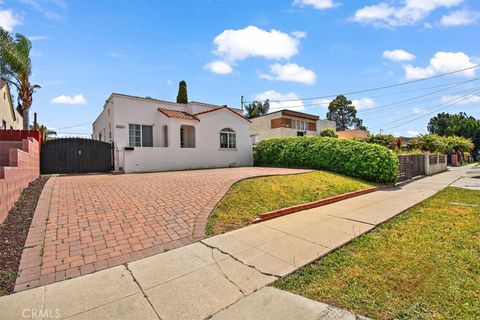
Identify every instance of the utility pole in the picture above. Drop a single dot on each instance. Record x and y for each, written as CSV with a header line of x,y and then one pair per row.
x,y
381,131
241,102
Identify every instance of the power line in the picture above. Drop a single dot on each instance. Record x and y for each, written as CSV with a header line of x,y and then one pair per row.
x,y
63,132
451,85
416,97
377,88
448,103
434,108
417,101
74,126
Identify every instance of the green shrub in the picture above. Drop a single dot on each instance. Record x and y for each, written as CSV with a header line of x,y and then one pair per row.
x,y
328,133
353,158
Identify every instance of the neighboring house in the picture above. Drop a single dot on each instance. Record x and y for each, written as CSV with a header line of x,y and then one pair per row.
x,y
286,123
350,134
155,135
10,118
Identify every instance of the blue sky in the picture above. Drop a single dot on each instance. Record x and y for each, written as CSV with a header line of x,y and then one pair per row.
x,y
282,50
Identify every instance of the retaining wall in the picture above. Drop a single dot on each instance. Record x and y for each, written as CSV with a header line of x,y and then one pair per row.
x,y
19,165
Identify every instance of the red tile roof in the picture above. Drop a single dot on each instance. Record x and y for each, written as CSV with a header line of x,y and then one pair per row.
x,y
221,108
177,114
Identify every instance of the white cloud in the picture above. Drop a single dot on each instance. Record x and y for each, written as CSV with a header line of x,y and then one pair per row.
x,y
290,72
296,104
220,67
317,4
410,12
461,99
460,18
363,103
9,20
322,103
442,62
360,104
412,133
235,45
419,110
398,55
51,9
37,38
77,99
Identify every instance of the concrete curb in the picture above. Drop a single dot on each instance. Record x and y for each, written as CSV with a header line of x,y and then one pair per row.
x,y
309,205
31,260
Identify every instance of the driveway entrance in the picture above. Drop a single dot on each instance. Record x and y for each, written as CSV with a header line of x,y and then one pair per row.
x,y
76,155
100,221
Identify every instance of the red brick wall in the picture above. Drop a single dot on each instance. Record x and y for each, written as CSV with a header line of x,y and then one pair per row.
x,y
281,122
19,135
22,167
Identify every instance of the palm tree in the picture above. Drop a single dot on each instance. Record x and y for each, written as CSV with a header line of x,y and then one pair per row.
x,y
257,108
16,68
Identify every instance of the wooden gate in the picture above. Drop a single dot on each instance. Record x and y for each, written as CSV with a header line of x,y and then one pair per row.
x,y
410,166
76,155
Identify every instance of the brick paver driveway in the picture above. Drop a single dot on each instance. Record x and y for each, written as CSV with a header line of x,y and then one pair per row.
x,y
90,222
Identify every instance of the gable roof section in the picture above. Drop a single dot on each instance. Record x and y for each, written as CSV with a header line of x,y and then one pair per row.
x,y
149,99
286,112
223,108
9,98
292,113
177,114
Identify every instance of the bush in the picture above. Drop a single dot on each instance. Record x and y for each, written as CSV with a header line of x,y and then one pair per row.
x,y
352,158
386,140
328,133
437,144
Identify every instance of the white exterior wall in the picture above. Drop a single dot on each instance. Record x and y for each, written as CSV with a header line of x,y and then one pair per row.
x,y
325,124
436,167
206,154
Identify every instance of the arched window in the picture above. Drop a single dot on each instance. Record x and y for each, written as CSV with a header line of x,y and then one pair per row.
x,y
228,139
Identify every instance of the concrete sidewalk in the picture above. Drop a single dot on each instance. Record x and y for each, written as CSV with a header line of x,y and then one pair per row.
x,y
216,275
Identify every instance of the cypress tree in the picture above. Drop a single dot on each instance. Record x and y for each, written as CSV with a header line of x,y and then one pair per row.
x,y
182,96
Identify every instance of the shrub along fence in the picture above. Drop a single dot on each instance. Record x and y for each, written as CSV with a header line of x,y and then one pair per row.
x,y
353,158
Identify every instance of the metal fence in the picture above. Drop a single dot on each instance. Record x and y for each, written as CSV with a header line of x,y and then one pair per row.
x,y
410,166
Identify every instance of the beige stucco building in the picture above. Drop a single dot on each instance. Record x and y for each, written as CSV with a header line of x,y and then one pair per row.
x,y
10,118
286,123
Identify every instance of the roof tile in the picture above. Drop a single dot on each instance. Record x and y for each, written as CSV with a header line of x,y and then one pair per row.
x,y
177,114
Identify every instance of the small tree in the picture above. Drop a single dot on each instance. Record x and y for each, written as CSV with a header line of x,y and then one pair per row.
x,y
343,112
328,133
458,144
386,140
429,143
182,96
16,68
257,108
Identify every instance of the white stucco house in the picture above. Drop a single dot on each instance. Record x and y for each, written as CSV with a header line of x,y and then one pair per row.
x,y
155,135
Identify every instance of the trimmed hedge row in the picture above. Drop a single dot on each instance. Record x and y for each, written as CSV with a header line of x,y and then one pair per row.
x,y
353,158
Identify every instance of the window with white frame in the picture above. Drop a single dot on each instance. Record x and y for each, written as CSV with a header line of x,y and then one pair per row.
x,y
255,139
140,135
300,125
228,139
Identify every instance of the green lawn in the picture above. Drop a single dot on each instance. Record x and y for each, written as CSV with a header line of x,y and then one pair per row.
x,y
249,198
424,264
